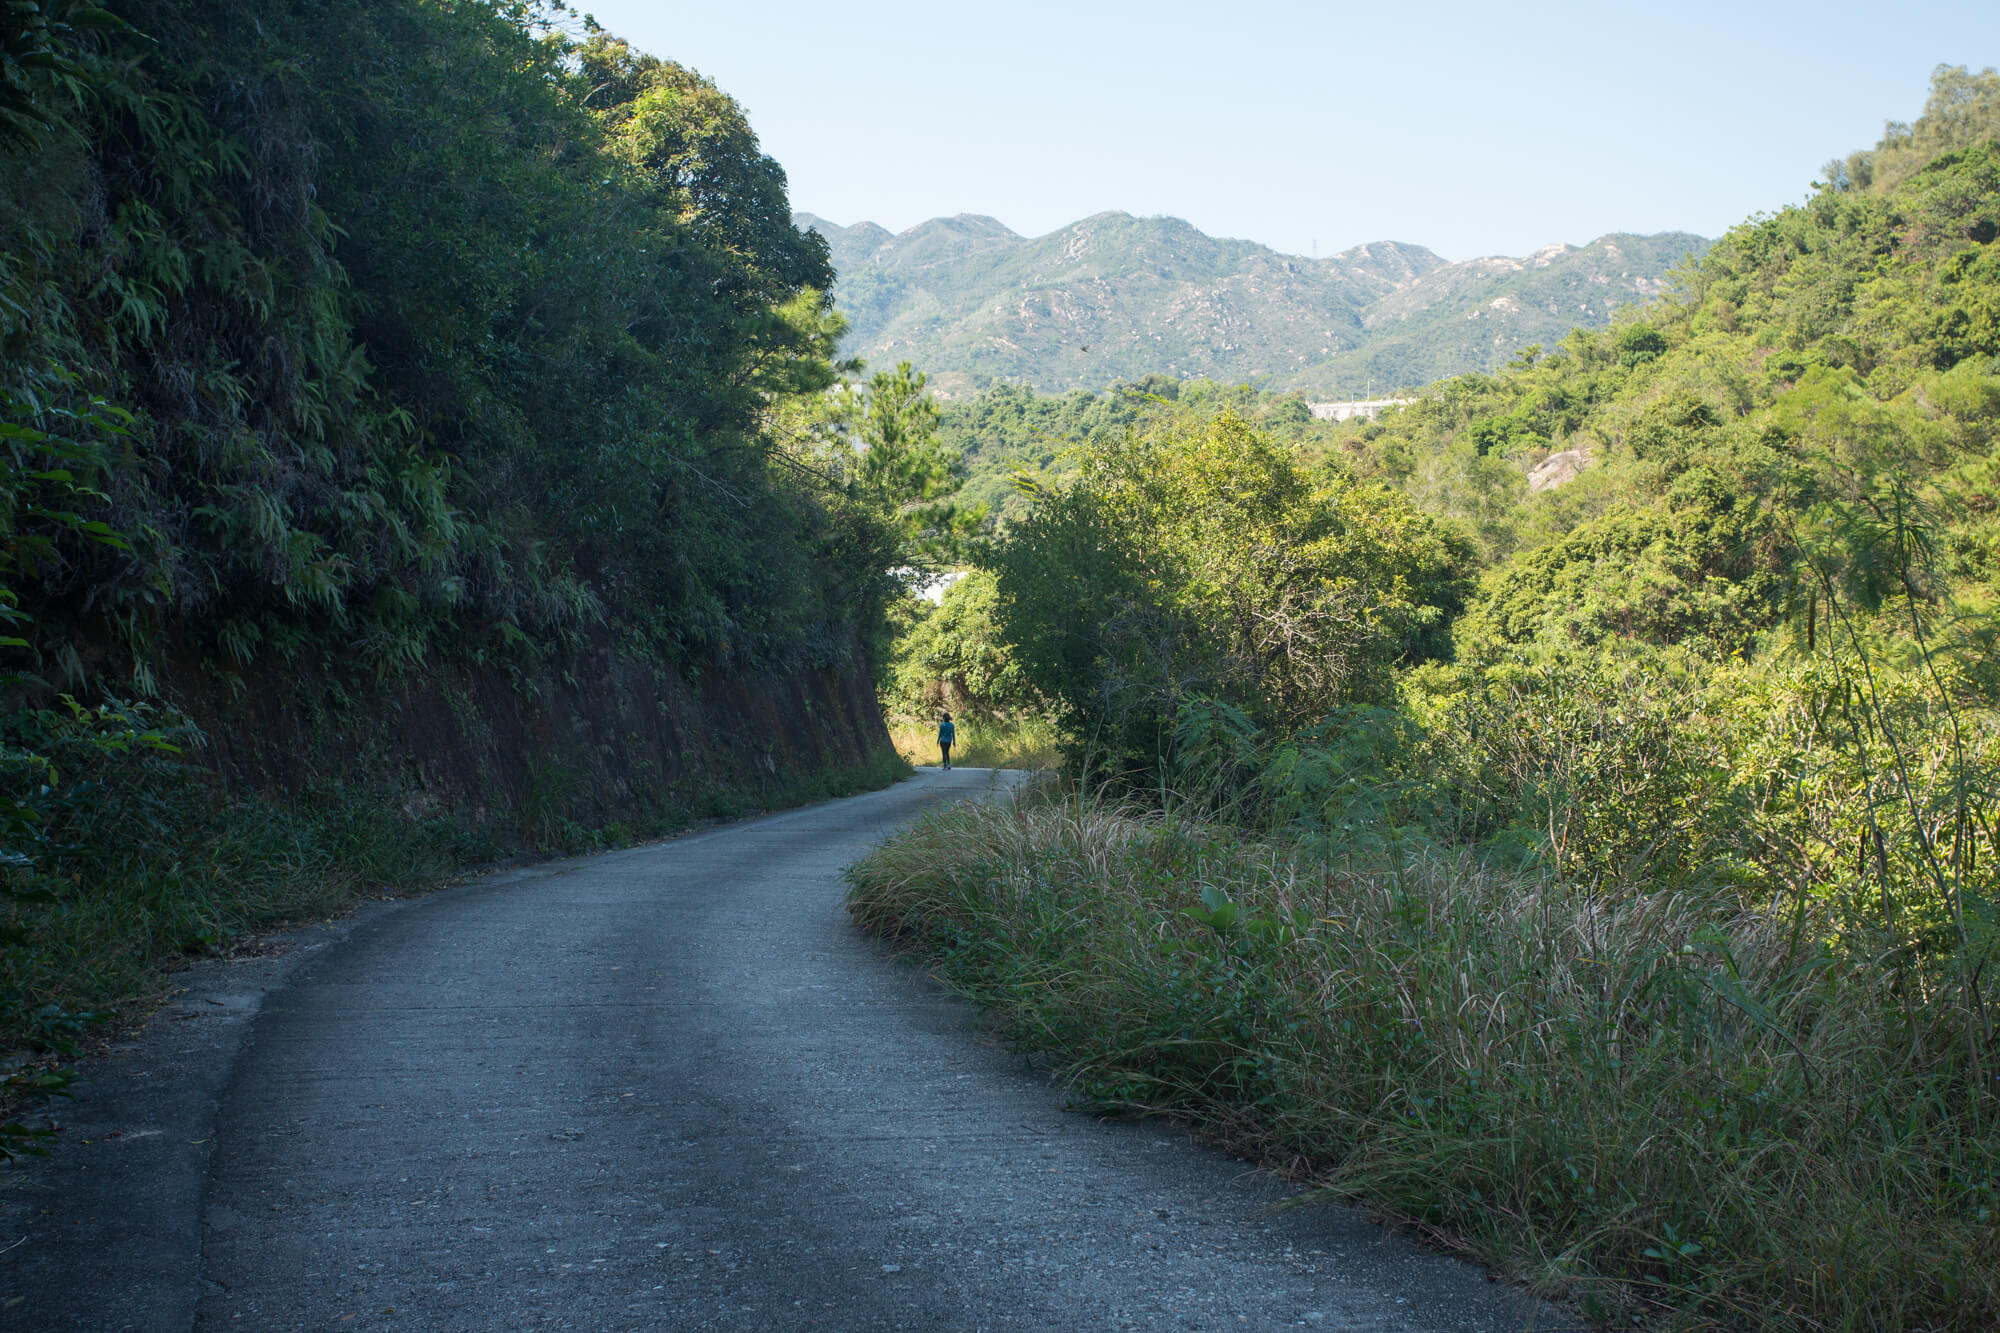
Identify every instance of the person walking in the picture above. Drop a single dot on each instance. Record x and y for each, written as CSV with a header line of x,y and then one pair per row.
x,y
946,734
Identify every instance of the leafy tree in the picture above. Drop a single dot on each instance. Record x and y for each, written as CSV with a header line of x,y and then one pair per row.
x,y
899,460
525,403
1638,344
957,657
1504,436
693,144
879,443
1200,559
1963,109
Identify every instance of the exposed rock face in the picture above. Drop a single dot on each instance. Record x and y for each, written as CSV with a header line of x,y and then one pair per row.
x,y
604,737
1557,468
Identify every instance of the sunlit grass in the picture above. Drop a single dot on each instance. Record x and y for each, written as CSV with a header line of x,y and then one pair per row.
x,y
1659,1104
1029,742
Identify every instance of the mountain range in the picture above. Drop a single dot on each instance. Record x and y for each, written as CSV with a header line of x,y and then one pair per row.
x,y
1115,297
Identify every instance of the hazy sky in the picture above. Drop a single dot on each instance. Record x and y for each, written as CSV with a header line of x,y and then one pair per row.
x,y
1473,129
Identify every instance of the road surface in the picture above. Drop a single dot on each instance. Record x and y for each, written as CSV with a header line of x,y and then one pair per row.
x,y
664,1088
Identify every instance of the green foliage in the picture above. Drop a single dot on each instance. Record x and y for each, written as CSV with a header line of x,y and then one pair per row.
x,y
1199,559
1007,431
875,448
1751,645
1504,437
1963,109
691,144
524,403
52,475
902,468
1703,566
956,657
37,39
1639,343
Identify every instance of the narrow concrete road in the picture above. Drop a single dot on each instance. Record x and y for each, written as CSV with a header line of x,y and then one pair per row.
x,y
664,1088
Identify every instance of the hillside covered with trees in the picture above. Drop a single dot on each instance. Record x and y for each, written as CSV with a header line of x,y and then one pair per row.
x,y
417,448
1117,298
1601,877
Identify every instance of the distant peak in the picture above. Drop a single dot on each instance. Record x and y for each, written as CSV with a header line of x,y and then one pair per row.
x,y
805,221
966,224
1382,249
1387,254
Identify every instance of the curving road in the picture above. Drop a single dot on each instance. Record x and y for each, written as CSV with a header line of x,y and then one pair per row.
x,y
665,1088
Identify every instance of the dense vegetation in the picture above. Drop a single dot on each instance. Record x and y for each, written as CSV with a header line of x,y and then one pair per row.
x,y
1006,435
1116,297
433,328
1199,561
346,346
1629,915
1009,446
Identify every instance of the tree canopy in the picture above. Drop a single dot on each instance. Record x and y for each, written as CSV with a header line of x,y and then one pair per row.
x,y
1199,559
440,331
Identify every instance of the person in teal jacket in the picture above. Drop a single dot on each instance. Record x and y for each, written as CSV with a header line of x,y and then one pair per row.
x,y
946,734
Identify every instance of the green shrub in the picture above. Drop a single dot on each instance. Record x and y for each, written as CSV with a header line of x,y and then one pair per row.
x,y
1200,559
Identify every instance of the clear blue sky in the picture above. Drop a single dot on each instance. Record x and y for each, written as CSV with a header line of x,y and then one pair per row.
x,y
1473,129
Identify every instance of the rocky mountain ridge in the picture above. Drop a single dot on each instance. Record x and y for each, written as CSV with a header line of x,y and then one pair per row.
x,y
1114,297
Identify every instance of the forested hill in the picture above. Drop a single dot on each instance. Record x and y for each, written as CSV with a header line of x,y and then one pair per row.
x,y
1115,297
387,336
389,403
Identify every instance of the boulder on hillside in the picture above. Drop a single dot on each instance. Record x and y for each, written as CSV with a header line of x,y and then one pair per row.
x,y
1556,469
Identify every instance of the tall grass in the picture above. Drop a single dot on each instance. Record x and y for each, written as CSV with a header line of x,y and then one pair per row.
x,y
1018,742
150,861
1652,1102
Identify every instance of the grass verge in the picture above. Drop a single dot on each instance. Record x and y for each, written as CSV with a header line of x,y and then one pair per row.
x,y
1659,1105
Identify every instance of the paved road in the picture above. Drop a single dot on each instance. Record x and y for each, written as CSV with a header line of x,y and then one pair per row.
x,y
664,1088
